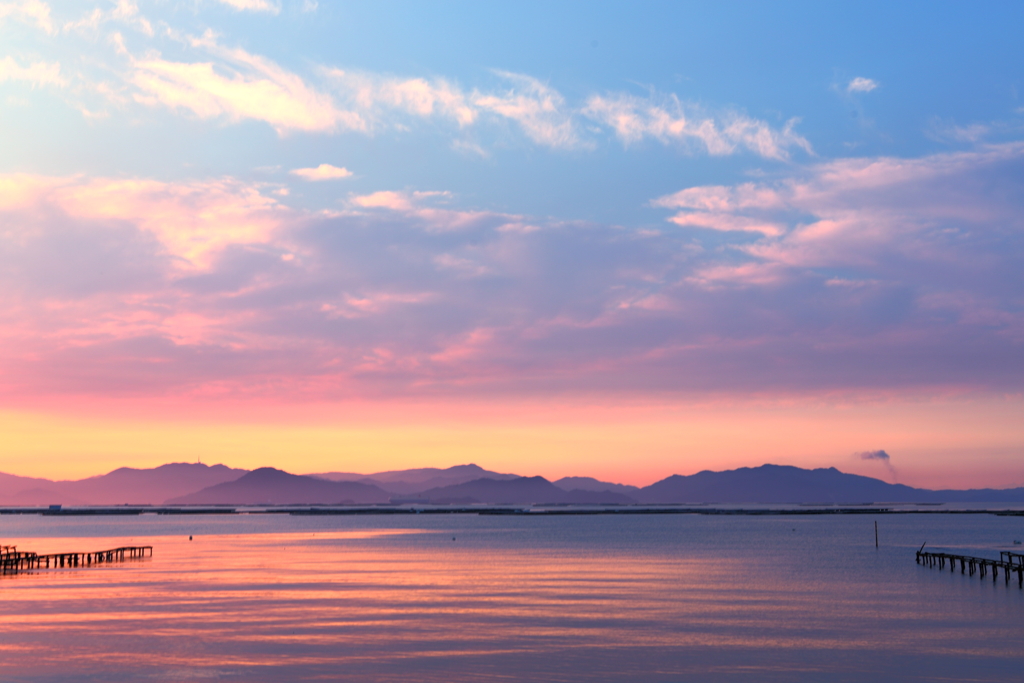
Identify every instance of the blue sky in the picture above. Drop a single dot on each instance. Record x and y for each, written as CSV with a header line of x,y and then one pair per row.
x,y
938,70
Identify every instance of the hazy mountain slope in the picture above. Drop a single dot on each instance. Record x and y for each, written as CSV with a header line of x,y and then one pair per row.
x,y
123,485
591,484
148,486
269,486
977,495
404,482
522,490
785,484
41,496
11,484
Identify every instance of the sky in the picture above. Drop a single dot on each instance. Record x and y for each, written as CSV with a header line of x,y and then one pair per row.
x,y
621,240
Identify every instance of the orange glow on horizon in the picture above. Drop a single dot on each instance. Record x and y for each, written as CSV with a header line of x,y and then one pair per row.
x,y
952,443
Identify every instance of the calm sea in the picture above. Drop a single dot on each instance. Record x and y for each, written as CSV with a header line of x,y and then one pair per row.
x,y
497,598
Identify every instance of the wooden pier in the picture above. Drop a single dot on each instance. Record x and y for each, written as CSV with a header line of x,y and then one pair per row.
x,y
12,560
1009,562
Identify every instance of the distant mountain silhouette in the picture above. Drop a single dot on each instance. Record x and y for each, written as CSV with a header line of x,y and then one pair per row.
x,y
269,486
153,486
521,490
125,485
786,484
404,482
184,483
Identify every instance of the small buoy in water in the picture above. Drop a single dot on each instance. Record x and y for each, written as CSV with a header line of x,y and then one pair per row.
x,y
190,537
453,538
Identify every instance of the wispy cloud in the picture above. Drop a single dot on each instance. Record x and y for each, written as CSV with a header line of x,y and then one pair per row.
x,y
945,131
538,108
322,172
123,11
232,84
253,88
30,11
36,73
548,119
378,98
668,121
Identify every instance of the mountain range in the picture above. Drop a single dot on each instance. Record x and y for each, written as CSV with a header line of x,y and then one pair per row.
x,y
198,484
124,485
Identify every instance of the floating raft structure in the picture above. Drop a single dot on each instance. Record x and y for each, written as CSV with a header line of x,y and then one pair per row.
x,y
1009,562
13,561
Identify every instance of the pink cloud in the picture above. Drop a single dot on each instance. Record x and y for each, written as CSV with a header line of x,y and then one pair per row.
x,y
877,275
322,172
191,220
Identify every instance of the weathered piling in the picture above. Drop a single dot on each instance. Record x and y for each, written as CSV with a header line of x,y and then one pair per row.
x,y
12,560
1009,562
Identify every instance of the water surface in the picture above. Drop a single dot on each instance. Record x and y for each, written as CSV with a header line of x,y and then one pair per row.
x,y
503,598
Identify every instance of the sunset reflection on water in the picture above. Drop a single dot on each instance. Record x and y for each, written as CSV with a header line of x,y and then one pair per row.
x,y
468,604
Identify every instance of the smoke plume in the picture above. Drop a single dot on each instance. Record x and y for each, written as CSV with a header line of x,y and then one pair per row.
x,y
882,457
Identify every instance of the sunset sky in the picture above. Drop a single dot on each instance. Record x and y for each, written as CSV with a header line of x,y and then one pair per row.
x,y
622,240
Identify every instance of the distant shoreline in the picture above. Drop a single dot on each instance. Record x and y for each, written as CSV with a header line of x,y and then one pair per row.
x,y
801,509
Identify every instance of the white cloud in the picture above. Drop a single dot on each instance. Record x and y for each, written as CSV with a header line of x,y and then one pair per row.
x,y
233,84
124,11
538,108
252,5
254,88
36,73
376,97
322,172
860,84
128,12
33,11
635,118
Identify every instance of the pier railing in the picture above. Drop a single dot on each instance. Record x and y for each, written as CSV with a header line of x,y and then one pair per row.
x,y
1009,562
12,560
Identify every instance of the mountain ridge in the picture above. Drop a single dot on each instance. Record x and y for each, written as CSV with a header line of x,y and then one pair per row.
x,y
194,483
